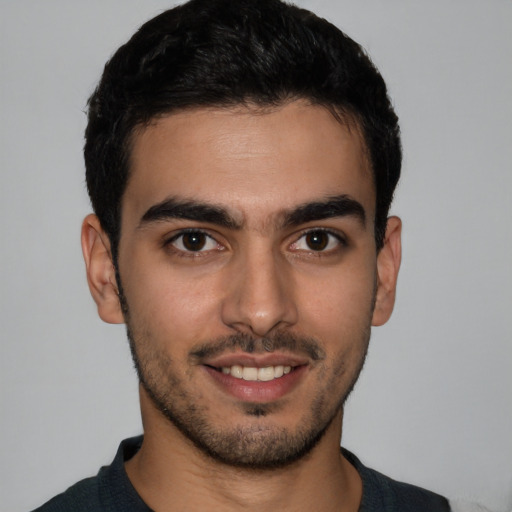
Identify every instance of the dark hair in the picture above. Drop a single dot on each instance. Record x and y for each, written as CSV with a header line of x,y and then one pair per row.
x,y
224,53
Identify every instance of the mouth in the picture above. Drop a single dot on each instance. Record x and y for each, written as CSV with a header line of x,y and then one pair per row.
x,y
257,380
253,373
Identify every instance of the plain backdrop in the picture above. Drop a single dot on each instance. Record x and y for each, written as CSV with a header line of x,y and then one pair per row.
x,y
433,405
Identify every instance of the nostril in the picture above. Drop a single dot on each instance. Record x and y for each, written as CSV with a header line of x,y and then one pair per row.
x,y
259,297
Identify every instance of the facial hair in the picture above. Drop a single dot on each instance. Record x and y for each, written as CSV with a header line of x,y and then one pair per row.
x,y
258,446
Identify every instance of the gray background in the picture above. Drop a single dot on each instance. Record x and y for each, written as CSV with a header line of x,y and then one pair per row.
x,y
434,402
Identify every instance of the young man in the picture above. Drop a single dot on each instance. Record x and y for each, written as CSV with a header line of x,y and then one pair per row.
x,y
241,160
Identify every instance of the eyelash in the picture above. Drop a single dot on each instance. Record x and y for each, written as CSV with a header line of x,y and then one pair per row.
x,y
338,237
322,252
169,243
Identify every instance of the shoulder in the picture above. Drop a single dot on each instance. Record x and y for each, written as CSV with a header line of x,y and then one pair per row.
x,y
382,493
109,490
81,497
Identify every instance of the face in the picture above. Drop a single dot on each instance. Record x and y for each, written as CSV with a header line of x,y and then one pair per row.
x,y
248,265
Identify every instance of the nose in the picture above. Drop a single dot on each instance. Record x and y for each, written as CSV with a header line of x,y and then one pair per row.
x,y
260,294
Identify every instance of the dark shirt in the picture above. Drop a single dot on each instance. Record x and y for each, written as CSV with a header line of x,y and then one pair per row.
x,y
112,491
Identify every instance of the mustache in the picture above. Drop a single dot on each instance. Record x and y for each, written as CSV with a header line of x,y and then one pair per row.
x,y
250,344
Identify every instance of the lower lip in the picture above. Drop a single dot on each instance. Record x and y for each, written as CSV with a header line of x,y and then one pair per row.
x,y
258,391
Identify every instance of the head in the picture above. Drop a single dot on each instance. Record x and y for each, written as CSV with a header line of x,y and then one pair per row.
x,y
205,53
241,159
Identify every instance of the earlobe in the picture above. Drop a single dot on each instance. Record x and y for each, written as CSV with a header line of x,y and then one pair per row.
x,y
388,264
100,270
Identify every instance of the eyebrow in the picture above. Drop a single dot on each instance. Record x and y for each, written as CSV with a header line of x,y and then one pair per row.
x,y
174,208
336,206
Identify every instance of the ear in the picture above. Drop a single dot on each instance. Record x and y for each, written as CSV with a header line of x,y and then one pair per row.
x,y
100,270
388,264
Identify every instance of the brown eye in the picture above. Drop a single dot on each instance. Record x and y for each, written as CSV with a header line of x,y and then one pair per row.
x,y
194,241
317,240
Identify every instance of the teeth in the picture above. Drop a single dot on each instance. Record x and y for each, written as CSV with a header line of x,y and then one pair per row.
x,y
252,373
249,373
237,371
265,374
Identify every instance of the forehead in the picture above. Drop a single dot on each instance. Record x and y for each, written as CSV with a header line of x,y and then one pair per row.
x,y
254,163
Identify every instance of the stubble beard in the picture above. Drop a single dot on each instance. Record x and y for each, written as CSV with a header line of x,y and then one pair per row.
x,y
260,446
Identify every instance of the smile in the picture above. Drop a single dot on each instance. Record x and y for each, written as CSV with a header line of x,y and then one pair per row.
x,y
251,373
257,381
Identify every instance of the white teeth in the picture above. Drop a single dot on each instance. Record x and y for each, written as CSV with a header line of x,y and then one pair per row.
x,y
252,373
236,371
265,374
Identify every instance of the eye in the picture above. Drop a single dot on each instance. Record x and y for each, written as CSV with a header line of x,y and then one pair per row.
x,y
318,240
194,241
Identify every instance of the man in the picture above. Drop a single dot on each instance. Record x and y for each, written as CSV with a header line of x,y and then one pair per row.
x,y
241,160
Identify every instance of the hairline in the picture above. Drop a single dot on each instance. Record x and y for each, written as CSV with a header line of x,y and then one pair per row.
x,y
344,116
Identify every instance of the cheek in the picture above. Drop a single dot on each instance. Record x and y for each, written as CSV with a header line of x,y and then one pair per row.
x,y
171,306
340,301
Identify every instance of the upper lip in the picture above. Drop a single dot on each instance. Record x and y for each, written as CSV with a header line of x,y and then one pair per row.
x,y
255,360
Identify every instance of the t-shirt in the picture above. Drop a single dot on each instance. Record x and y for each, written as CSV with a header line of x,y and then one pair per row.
x,y
111,490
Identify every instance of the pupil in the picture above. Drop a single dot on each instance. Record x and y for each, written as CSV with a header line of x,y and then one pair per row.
x,y
317,240
194,241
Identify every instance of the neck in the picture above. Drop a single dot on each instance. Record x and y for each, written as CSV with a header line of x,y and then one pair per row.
x,y
171,474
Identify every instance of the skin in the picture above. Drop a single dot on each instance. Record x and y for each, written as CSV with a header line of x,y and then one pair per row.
x,y
259,276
